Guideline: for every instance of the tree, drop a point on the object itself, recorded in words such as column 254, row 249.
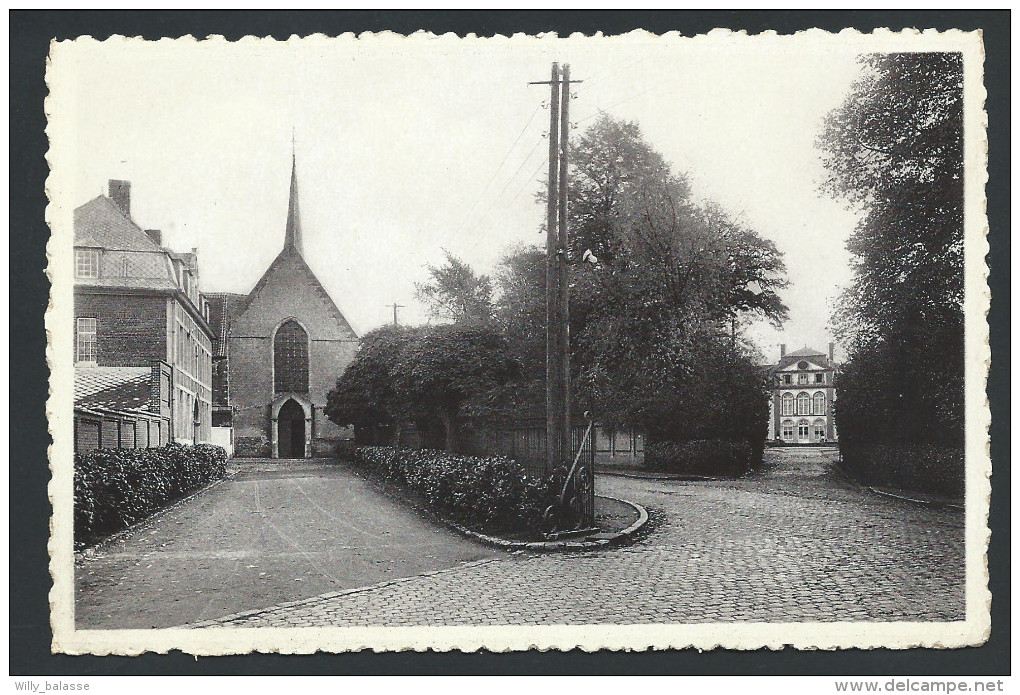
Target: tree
column 675, row 279
column 447, row 367
column 894, row 150
column 416, row 374
column 366, row 394
column 455, row 293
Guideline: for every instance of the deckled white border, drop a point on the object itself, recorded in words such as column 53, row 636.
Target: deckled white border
column 212, row 641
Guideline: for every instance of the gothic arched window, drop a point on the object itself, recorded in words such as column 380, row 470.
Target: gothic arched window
column 290, row 358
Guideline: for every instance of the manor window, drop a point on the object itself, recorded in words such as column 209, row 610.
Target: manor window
column 803, row 404
column 818, row 404
column 290, row 358
column 86, row 263
column 788, row 404
column 85, row 343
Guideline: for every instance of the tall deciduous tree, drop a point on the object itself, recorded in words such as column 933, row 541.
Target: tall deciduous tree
column 454, row 292
column 674, row 278
column 894, row 150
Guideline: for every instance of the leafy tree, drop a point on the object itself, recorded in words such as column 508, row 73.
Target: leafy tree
column 894, row 150
column 674, row 280
column 366, row 393
column 455, row 293
column 403, row 375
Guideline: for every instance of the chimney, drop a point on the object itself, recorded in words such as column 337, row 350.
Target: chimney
column 782, row 350
column 120, row 193
column 155, row 235
column 832, row 353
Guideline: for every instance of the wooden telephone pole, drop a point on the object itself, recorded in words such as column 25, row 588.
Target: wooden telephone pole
column 557, row 355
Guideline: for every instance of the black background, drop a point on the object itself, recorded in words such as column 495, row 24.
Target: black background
column 30, row 34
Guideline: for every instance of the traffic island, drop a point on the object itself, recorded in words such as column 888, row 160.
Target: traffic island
column 617, row 520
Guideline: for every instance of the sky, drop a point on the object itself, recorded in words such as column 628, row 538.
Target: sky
column 406, row 148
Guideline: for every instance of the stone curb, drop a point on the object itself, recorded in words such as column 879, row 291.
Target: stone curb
column 938, row 504
column 666, row 476
column 597, row 540
column 220, row 622
column 144, row 523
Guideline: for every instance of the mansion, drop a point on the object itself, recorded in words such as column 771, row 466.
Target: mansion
column 803, row 393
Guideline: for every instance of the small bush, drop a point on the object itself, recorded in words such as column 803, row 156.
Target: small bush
column 114, row 488
column 700, row 457
column 916, row 467
column 492, row 493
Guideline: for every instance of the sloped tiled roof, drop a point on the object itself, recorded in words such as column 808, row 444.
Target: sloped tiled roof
column 100, row 223
column 115, row 388
column 805, row 352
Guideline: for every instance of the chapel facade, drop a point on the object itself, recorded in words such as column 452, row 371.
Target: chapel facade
column 278, row 351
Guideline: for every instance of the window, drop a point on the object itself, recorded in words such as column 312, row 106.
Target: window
column 787, row 378
column 820, row 378
column 802, row 378
column 86, row 263
column 788, row 404
column 85, row 344
column 788, row 430
column 818, row 404
column 290, row 358
column 802, row 430
column 819, row 431
column 803, row 404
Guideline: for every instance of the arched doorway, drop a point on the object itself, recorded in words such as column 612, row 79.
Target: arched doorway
column 291, row 430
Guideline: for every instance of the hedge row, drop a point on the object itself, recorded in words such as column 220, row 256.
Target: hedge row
column 918, row 467
column 492, row 494
column 700, row 457
column 114, row 488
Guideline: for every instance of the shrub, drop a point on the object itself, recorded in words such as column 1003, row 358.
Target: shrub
column 491, row 493
column 700, row 457
column 114, row 488
column 918, row 467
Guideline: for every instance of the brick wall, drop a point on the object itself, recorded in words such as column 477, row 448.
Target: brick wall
column 130, row 329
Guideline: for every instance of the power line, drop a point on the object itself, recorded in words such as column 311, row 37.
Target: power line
column 601, row 110
column 492, row 177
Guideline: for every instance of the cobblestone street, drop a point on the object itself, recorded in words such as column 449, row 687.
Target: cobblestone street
column 796, row 542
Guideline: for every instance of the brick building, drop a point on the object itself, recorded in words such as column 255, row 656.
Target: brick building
column 137, row 303
column 803, row 391
column 277, row 353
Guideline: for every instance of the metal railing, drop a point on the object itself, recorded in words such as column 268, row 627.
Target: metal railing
column 574, row 508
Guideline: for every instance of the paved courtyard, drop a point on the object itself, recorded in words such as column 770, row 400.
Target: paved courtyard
column 795, row 542
column 274, row 532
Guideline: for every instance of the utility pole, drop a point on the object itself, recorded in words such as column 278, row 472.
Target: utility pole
column 563, row 266
column 557, row 296
column 554, row 400
column 395, row 307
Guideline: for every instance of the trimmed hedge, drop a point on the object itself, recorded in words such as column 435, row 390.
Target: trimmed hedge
column 492, row 493
column 700, row 457
column 917, row 467
column 114, row 488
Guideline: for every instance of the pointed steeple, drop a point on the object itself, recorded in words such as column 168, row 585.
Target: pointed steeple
column 292, row 240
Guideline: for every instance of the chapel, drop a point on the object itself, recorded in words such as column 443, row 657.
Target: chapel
column 278, row 351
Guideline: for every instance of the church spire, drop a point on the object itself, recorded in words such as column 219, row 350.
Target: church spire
column 292, row 240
